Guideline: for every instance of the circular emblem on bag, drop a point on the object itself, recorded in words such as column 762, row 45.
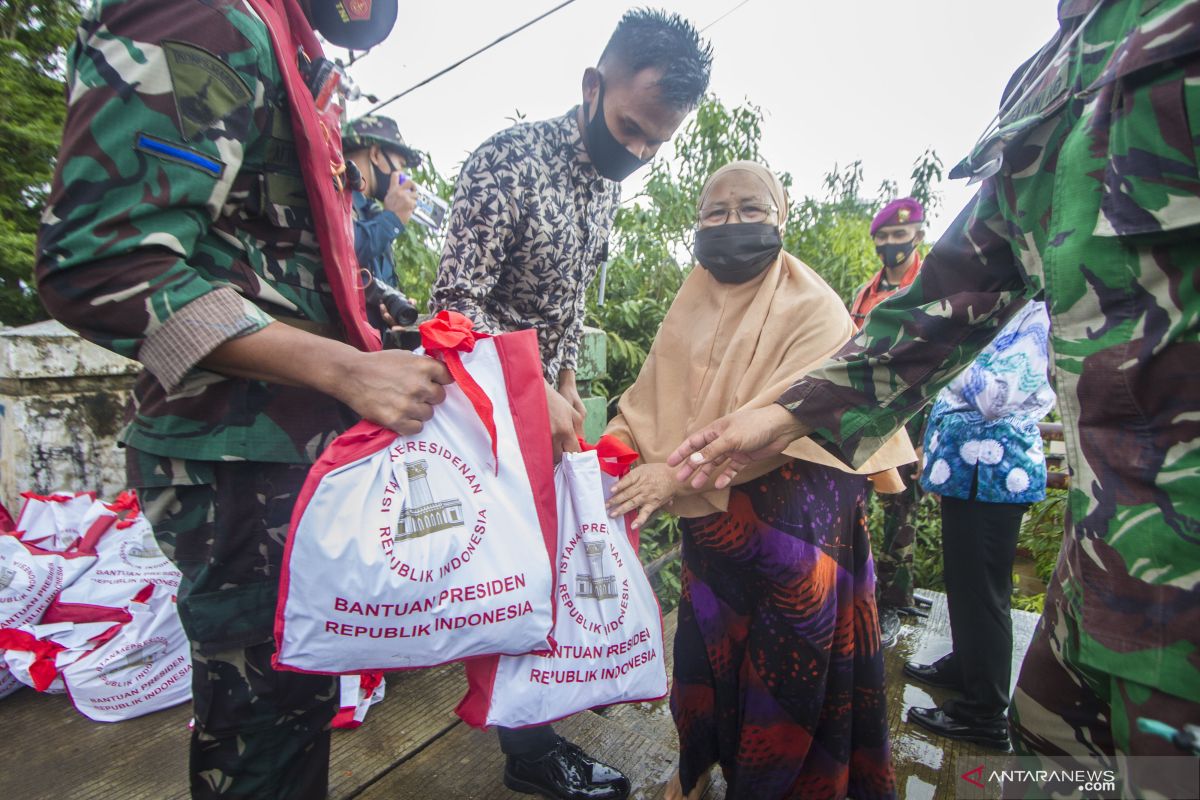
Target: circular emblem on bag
column 592, row 587
column 434, row 490
column 16, row 581
column 131, row 663
column 144, row 553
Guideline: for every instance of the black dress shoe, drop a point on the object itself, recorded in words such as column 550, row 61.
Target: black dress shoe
column 889, row 626
column 942, row 673
column 565, row 773
column 990, row 733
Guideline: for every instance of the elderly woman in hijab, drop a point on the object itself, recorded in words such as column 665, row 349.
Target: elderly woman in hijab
column 778, row 667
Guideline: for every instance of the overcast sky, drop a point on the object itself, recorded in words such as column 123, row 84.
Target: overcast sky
column 839, row 81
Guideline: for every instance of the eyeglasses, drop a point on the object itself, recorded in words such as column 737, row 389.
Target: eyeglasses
column 746, row 212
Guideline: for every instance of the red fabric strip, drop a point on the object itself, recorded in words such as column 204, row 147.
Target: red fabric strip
column 448, row 334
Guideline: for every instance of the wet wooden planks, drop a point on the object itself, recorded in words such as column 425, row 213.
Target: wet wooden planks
column 47, row 749
column 412, row 745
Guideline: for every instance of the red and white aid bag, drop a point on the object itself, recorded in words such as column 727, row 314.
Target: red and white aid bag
column 356, row 695
column 30, row 579
column 608, row 639
column 54, row 521
column 145, row 666
column 127, row 556
column 412, row 551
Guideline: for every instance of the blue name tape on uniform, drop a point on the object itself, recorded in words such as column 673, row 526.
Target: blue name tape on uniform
column 159, row 147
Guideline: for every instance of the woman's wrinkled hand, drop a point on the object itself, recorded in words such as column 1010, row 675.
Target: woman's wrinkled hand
column 647, row 488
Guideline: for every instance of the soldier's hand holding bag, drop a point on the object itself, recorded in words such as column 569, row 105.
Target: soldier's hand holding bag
column 412, row 551
column 608, row 640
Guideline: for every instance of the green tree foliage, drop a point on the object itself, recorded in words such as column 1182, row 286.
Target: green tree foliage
column 33, row 38
column 419, row 250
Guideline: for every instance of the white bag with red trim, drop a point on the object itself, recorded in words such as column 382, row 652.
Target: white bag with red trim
column 53, row 521
column 608, row 639
column 412, row 551
column 357, row 694
column 145, row 666
column 127, row 556
column 36, row 654
column 31, row 577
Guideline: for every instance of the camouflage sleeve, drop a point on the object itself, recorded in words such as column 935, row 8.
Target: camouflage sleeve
column 916, row 341
column 481, row 230
column 161, row 103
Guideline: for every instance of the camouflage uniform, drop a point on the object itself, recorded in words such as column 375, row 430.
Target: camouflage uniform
column 177, row 221
column 894, row 554
column 1095, row 205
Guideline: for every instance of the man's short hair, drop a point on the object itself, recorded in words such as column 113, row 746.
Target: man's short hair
column 649, row 39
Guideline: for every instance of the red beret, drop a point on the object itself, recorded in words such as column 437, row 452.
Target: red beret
column 898, row 212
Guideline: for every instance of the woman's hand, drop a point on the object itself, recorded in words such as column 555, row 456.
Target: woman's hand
column 647, row 487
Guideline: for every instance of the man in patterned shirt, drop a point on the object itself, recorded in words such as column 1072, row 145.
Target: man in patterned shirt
column 180, row 232
column 528, row 231
column 534, row 204
column 1090, row 198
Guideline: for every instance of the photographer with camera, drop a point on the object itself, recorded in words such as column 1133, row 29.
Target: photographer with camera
column 386, row 197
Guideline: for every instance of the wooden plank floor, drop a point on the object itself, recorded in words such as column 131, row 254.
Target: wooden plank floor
column 413, row 747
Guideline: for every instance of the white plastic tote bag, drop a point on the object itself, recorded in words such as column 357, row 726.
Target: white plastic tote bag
column 357, row 694
column 412, row 551
column 35, row 654
column 31, row 578
column 53, row 521
column 127, row 556
column 608, row 640
column 146, row 666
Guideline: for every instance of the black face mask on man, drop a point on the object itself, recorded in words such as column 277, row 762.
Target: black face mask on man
column 610, row 158
column 383, row 180
column 893, row 254
column 737, row 252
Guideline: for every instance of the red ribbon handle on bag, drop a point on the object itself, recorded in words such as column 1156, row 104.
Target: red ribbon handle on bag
column 446, row 335
column 616, row 457
column 42, row 670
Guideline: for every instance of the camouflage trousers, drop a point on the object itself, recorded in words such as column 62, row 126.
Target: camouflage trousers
column 258, row 733
column 894, row 559
column 1063, row 707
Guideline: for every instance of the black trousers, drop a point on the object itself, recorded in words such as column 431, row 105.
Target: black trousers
column 979, row 542
column 528, row 743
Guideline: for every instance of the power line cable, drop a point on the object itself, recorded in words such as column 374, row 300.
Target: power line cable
column 723, row 16
column 465, row 59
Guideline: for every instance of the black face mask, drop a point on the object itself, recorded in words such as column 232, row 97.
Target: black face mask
column 737, row 252
column 609, row 156
column 383, row 180
column 893, row 255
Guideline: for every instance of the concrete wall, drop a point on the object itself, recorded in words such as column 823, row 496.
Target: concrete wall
column 62, row 403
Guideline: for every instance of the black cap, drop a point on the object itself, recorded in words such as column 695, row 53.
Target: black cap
column 354, row 24
column 383, row 131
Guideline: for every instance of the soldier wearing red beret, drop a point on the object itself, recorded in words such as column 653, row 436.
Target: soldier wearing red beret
column 897, row 231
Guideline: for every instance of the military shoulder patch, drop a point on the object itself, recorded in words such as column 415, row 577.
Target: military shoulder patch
column 206, row 89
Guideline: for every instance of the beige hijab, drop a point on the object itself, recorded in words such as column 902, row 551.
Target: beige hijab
column 724, row 347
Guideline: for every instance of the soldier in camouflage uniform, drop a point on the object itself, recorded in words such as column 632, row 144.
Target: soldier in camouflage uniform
column 897, row 231
column 179, row 233
column 1090, row 199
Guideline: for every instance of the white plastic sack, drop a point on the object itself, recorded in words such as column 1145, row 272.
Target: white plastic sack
column 357, row 693
column 53, row 521
column 31, row 578
column 608, row 640
column 413, row 551
column 36, row 654
column 127, row 556
column 145, row 667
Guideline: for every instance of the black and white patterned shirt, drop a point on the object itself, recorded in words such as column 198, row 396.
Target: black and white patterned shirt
column 528, row 231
